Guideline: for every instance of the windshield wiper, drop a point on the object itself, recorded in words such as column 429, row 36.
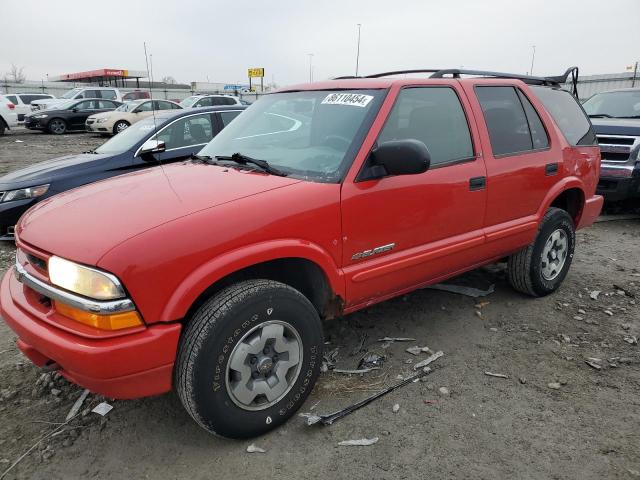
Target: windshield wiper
column 600, row 115
column 630, row 116
column 244, row 160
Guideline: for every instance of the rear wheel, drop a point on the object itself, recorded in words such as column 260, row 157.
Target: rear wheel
column 3, row 126
column 540, row 268
column 249, row 358
column 57, row 126
column 119, row 126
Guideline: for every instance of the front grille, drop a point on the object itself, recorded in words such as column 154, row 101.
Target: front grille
column 37, row 262
column 1, row 195
column 617, row 148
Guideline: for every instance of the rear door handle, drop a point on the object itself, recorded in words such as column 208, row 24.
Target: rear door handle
column 477, row 183
column 551, row 169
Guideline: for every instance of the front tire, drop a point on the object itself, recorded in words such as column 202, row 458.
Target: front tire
column 249, row 358
column 57, row 126
column 119, row 126
column 540, row 268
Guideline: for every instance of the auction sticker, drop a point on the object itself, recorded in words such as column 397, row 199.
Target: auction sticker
column 353, row 99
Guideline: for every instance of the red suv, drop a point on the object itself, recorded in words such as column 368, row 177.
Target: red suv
column 212, row 276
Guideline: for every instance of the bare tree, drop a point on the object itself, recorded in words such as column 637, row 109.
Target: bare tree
column 169, row 80
column 15, row 75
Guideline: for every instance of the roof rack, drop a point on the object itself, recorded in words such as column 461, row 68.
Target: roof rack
column 456, row 73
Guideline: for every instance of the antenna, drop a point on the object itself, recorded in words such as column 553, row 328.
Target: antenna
column 149, row 60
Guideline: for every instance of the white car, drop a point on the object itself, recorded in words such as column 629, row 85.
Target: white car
column 22, row 101
column 8, row 116
column 79, row 93
column 195, row 101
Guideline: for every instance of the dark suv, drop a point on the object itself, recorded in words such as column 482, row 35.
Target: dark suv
column 616, row 120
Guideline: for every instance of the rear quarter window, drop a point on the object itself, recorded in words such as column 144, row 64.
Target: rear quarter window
column 568, row 115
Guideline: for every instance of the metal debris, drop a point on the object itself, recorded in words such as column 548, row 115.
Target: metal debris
column 593, row 295
column 593, row 364
column 418, row 350
column 313, row 419
column 396, row 339
column 253, row 449
column 362, row 442
column 428, row 360
column 329, row 360
column 102, row 409
column 396, row 408
column 498, row 375
column 371, row 360
column 78, row 405
column 631, row 339
column 354, row 372
column 462, row 290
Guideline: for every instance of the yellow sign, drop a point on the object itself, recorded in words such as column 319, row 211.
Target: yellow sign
column 256, row 72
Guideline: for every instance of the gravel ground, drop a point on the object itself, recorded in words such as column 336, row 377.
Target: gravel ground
column 553, row 417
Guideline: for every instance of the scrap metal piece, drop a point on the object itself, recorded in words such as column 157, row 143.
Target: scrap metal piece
column 361, row 442
column 371, row 360
column 396, row 339
column 313, row 419
column 498, row 375
column 462, row 290
column 428, row 360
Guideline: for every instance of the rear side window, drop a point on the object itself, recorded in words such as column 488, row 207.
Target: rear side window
column 12, row 98
column 434, row 116
column 27, row 99
column 110, row 94
column 506, row 121
column 538, row 133
column 568, row 115
column 226, row 117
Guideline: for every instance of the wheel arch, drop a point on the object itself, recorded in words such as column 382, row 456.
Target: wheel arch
column 569, row 196
column 301, row 265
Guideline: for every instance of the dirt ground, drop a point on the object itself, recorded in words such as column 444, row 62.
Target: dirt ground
column 553, row 417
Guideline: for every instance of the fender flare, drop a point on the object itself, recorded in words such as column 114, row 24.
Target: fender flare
column 221, row 266
column 563, row 185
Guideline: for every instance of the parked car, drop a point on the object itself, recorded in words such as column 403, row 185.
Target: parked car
column 135, row 95
column 180, row 134
column 22, row 101
column 616, row 119
column 195, row 101
column 8, row 115
column 113, row 122
column 213, row 276
column 69, row 115
column 106, row 93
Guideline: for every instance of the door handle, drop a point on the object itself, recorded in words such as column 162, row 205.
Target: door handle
column 477, row 183
column 551, row 169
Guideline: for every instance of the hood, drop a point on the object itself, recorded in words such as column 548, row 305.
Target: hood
column 616, row 126
column 48, row 101
column 49, row 170
column 85, row 223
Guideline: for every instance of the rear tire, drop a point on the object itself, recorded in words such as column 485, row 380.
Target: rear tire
column 57, row 126
column 540, row 268
column 249, row 358
column 119, row 126
column 3, row 126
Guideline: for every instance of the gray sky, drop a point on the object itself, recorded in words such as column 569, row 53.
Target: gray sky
column 193, row 39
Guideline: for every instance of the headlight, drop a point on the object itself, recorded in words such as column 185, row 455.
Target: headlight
column 101, row 120
column 24, row 193
column 84, row 280
column 42, row 115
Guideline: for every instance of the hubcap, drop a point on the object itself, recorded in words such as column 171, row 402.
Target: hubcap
column 121, row 126
column 57, row 126
column 554, row 254
column 264, row 365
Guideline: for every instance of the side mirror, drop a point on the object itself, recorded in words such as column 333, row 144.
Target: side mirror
column 152, row 146
column 74, row 110
column 397, row 157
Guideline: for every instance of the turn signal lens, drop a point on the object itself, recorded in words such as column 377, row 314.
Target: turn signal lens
column 116, row 321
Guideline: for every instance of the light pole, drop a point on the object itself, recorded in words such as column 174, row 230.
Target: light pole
column 533, row 57
column 310, row 67
column 358, row 51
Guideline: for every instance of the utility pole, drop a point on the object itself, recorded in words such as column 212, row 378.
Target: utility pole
column 310, row 67
column 358, row 51
column 635, row 72
column 533, row 57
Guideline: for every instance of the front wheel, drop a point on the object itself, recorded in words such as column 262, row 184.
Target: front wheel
column 540, row 268
column 249, row 358
column 57, row 126
column 119, row 126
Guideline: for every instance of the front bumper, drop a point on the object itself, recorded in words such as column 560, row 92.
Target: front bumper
column 129, row 365
column 33, row 123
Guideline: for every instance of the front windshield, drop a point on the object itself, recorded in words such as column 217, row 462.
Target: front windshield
column 127, row 106
column 71, row 93
column 308, row 134
column 187, row 102
column 126, row 139
column 614, row 104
